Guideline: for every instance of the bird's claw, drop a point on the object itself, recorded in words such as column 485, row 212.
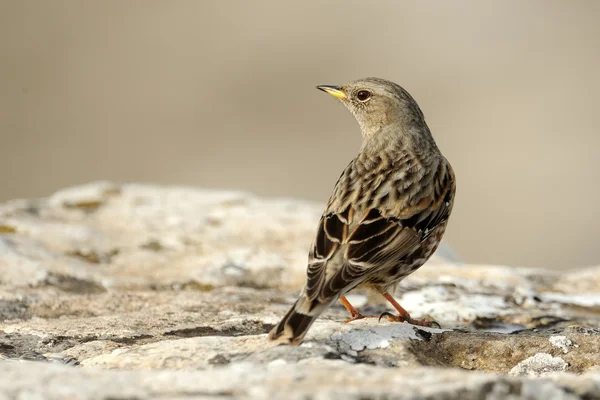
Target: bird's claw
column 426, row 322
column 359, row 316
column 390, row 317
column 354, row 318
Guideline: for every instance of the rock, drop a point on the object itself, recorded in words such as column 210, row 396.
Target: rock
column 562, row 342
column 540, row 364
column 142, row 291
column 281, row 380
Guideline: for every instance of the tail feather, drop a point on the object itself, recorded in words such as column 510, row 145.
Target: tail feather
column 294, row 325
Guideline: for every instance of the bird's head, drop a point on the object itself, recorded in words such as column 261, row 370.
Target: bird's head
column 378, row 105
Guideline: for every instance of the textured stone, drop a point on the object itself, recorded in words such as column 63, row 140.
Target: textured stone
column 166, row 292
column 280, row 380
column 541, row 364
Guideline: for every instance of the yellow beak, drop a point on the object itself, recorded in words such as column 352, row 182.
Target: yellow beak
column 335, row 91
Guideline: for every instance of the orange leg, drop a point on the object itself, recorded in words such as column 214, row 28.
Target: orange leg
column 354, row 314
column 403, row 315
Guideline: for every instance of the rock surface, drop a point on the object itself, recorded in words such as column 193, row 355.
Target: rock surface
column 139, row 291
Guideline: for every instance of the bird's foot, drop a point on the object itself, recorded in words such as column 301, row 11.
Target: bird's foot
column 358, row 316
column 427, row 321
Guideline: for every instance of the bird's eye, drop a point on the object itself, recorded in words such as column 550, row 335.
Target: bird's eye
column 363, row 95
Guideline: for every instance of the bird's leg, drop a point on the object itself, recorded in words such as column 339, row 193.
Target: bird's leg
column 354, row 314
column 403, row 315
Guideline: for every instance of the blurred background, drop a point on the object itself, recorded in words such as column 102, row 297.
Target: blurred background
column 220, row 94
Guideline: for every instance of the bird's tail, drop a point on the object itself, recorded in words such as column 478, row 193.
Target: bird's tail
column 294, row 325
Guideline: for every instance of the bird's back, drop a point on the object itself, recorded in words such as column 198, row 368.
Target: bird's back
column 373, row 194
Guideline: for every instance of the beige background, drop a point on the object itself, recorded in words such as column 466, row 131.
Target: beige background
column 221, row 94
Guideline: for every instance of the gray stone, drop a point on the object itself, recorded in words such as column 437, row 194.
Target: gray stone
column 541, row 364
column 140, row 291
column 326, row 379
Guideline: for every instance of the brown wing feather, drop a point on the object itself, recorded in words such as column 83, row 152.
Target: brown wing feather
column 332, row 232
column 375, row 241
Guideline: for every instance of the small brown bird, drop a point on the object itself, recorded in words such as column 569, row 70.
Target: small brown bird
column 388, row 211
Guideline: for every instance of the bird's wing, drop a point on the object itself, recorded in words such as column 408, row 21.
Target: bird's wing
column 373, row 242
column 331, row 235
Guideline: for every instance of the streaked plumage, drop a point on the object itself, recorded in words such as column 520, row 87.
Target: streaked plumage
column 388, row 211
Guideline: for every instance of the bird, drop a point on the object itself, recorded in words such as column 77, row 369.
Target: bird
column 387, row 214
